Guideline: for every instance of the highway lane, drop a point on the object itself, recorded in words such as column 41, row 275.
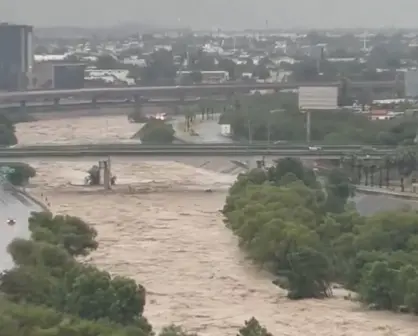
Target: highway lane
column 17, row 206
column 76, row 104
column 178, row 90
column 60, row 154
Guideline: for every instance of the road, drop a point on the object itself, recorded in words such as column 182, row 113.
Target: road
column 158, row 91
column 170, row 153
column 79, row 104
column 13, row 205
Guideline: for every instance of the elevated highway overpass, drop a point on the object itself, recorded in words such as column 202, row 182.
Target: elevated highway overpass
column 137, row 92
column 177, row 152
column 70, row 104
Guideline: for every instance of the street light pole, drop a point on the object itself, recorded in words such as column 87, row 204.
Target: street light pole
column 269, row 124
column 308, row 126
column 269, row 129
column 250, row 133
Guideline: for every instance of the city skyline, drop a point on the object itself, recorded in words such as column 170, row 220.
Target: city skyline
column 216, row 14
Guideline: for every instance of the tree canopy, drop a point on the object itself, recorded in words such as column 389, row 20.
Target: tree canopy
column 7, row 132
column 156, row 131
column 18, row 173
column 306, row 232
column 279, row 115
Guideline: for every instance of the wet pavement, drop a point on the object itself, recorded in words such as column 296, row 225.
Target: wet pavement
column 18, row 207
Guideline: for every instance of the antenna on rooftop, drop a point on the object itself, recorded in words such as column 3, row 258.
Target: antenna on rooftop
column 365, row 40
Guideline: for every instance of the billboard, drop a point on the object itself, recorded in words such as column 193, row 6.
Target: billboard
column 69, row 76
column 411, row 83
column 318, row 98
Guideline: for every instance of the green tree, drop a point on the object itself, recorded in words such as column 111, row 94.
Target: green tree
column 339, row 189
column 173, row 330
column 7, row 136
column 378, row 284
column 160, row 68
column 310, row 274
column 19, row 173
column 253, row 328
column 157, row 131
column 107, row 62
column 73, row 234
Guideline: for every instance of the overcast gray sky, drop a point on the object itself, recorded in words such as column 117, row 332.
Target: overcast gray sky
column 224, row 14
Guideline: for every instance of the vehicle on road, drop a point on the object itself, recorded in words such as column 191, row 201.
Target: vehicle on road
column 314, row 148
column 11, row 221
column 368, row 149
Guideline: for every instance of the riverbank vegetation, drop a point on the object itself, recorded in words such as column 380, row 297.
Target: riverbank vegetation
column 17, row 173
column 50, row 293
column 7, row 132
column 279, row 115
column 156, row 131
column 312, row 237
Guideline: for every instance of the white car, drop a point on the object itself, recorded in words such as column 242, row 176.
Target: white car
column 314, row 148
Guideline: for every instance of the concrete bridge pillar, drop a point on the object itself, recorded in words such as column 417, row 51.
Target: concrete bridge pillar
column 56, row 102
column 23, row 106
column 94, row 101
column 107, row 175
column 137, row 104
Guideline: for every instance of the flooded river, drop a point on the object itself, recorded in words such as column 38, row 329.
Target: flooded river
column 161, row 228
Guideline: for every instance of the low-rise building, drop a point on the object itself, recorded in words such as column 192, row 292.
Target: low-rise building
column 208, row 77
column 57, row 75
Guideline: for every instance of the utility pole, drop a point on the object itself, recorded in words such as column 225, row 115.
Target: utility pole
column 268, row 129
column 271, row 112
column 250, row 133
column 308, row 126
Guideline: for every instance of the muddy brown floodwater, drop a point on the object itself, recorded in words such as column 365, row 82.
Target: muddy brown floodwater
column 76, row 130
column 159, row 227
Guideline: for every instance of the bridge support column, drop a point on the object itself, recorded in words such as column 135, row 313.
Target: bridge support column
column 104, row 167
column 56, row 102
column 137, row 106
column 308, row 126
column 94, row 102
column 107, row 175
column 22, row 106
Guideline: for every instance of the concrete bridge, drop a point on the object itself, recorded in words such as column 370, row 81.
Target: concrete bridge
column 138, row 93
column 181, row 151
